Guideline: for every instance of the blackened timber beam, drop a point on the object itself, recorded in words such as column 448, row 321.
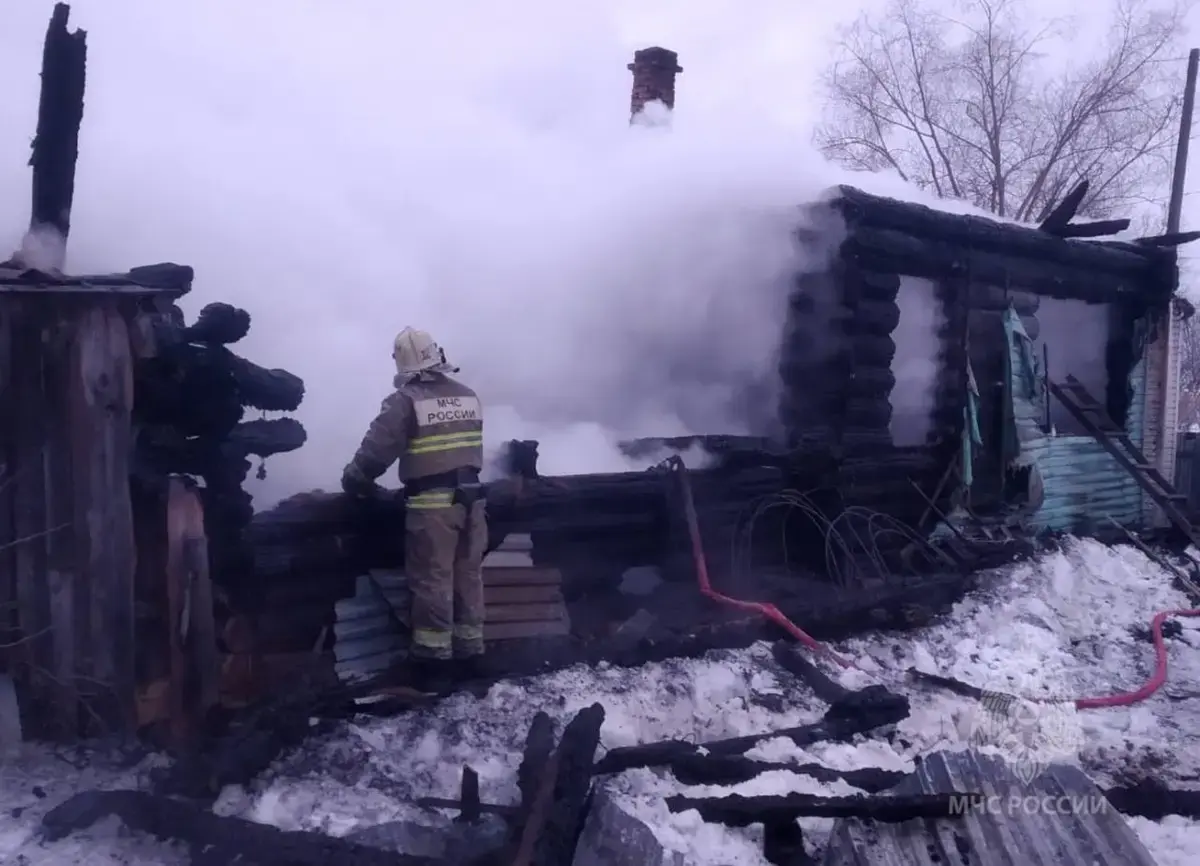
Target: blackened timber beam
column 56, row 144
column 735, row 810
column 1098, row 229
column 842, row 721
column 1174, row 239
column 1061, row 215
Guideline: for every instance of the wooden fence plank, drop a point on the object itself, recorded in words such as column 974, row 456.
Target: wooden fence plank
column 8, row 413
column 29, row 505
column 102, row 389
column 66, row 529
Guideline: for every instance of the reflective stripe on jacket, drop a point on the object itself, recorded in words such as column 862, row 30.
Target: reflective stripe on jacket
column 446, row 428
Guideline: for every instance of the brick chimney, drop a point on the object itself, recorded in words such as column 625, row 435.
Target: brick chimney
column 654, row 70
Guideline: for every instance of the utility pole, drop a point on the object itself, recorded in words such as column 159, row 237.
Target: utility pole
column 1170, row 354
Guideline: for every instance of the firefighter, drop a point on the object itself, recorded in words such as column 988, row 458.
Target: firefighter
column 433, row 425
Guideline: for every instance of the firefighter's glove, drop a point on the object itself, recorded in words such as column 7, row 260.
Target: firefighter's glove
column 358, row 487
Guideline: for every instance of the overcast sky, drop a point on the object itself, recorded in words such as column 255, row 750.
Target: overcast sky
column 344, row 169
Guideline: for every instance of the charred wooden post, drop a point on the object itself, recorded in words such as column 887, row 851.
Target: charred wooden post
column 555, row 791
column 735, row 810
column 194, row 687
column 56, row 145
column 867, row 710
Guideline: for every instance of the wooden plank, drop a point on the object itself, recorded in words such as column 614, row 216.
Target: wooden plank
column 522, row 612
column 520, row 576
column 195, row 667
column 101, row 422
column 66, row 538
column 519, row 630
column 522, row 594
column 29, row 505
column 8, row 413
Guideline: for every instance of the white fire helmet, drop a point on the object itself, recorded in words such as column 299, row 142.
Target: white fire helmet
column 416, row 352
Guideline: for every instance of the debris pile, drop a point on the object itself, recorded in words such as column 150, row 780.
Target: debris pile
column 571, row 810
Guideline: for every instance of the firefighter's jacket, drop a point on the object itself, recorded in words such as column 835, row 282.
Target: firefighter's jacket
column 431, row 425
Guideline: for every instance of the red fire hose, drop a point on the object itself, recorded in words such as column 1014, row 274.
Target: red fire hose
column 767, row 611
column 773, row 614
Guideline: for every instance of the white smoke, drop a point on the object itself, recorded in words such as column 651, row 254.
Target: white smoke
column 342, row 170
column 916, row 362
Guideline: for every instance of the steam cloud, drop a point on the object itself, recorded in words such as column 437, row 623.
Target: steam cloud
column 344, row 170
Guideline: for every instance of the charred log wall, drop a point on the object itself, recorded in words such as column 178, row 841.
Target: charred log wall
column 191, row 396
column 310, row 549
column 814, row 358
column 978, row 268
column 837, row 371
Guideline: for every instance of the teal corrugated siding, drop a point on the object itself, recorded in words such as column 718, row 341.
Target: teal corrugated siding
column 1082, row 481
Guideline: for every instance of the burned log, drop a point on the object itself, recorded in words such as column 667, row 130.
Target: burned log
column 216, row 840
column 189, row 382
column 623, row 516
column 555, row 794
column 1152, row 799
column 191, row 395
column 218, row 324
column 734, row 810
column 871, row 708
column 165, row 450
column 696, row 769
column 787, row 657
column 56, row 144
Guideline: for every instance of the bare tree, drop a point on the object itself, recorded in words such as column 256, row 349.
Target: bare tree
column 967, row 106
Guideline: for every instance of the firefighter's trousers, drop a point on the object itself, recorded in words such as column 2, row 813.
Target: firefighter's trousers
column 444, row 566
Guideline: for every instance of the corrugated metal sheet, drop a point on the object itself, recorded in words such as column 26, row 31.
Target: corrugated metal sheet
column 367, row 636
column 1059, row 819
column 370, row 633
column 1081, row 480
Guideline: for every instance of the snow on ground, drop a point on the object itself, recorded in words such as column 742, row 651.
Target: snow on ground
column 1059, row 626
